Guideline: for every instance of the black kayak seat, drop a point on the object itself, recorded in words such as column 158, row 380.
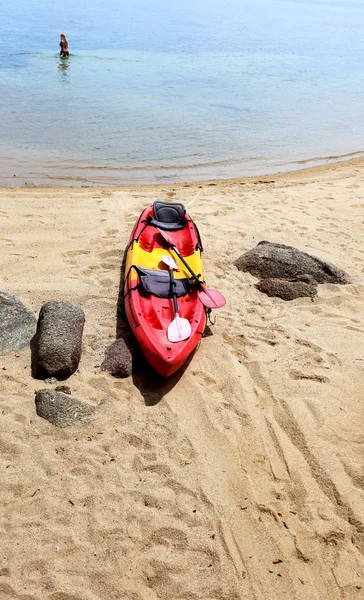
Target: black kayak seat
column 158, row 283
column 169, row 216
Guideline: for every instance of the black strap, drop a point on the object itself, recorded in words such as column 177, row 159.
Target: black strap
column 142, row 230
column 199, row 243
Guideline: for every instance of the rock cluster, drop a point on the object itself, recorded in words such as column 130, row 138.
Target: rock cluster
column 56, row 345
column 286, row 272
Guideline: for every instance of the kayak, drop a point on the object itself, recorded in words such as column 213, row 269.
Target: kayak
column 153, row 294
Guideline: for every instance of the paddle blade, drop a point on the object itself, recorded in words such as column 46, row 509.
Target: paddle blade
column 211, row 298
column 169, row 261
column 179, row 329
column 166, row 237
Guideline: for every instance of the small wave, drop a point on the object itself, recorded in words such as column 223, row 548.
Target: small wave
column 161, row 166
column 330, row 157
column 232, row 108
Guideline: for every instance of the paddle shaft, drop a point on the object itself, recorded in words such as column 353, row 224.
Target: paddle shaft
column 169, row 241
column 197, row 279
column 215, row 298
column 173, row 288
column 187, row 266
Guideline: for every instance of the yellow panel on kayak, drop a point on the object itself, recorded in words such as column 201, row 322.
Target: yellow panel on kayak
column 153, row 260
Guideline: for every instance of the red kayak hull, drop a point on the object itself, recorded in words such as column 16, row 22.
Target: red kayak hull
column 149, row 316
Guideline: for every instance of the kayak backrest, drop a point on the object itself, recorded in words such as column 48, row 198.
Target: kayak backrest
column 169, row 216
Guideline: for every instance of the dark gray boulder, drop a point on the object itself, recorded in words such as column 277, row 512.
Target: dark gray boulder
column 17, row 324
column 120, row 358
column 62, row 410
column 287, row 289
column 57, row 345
column 269, row 260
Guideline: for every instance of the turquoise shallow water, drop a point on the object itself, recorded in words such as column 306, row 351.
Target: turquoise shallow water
column 154, row 92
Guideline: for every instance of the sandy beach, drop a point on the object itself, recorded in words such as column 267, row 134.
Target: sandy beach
column 239, row 478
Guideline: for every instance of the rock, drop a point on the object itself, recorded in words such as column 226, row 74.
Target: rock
column 286, row 289
column 63, row 388
column 18, row 324
column 119, row 358
column 268, row 260
column 58, row 343
column 62, row 410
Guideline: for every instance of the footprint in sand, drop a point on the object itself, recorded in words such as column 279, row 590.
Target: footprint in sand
column 72, row 253
column 203, row 379
column 106, row 282
column 307, row 344
column 295, row 374
column 116, row 253
column 10, row 593
column 159, row 469
column 351, row 328
column 111, row 232
column 170, row 536
column 133, row 439
column 160, row 499
column 237, row 344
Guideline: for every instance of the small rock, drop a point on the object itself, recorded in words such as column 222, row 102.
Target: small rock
column 326, row 365
column 119, row 358
column 286, row 290
column 62, row 410
column 58, row 344
column 63, row 388
column 51, row 380
column 18, row 324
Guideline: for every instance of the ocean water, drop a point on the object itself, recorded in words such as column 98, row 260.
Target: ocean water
column 177, row 91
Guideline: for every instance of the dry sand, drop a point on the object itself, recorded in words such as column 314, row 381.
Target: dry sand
column 240, row 478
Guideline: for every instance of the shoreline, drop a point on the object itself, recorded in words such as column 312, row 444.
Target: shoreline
column 334, row 163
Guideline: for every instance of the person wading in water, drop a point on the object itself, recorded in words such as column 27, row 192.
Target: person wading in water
column 64, row 46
